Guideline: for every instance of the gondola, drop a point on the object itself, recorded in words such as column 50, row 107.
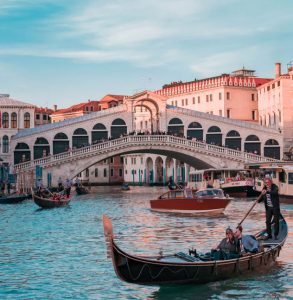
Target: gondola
column 81, row 190
column 50, row 202
column 125, row 187
column 12, row 199
column 182, row 268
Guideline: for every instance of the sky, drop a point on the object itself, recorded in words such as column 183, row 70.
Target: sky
column 68, row 51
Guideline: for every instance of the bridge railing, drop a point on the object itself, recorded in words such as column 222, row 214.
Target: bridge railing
column 147, row 140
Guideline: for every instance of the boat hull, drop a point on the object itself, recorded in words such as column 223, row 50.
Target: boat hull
column 240, row 191
column 49, row 203
column 14, row 199
column 190, row 205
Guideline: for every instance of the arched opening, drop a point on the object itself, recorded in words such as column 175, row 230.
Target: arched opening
column 214, row 136
column 60, row 143
column 13, row 120
column 41, row 148
column 80, row 138
column 195, row 131
column 5, row 142
column 99, row 133
column 233, row 140
column 22, row 153
column 252, row 144
column 176, row 127
column 149, row 171
column 118, row 128
column 5, row 120
column 27, row 120
column 159, row 169
column 272, row 149
column 143, row 119
column 170, row 170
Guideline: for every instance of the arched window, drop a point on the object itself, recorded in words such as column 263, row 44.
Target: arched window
column 272, row 149
column 252, row 144
column 99, row 132
column 41, row 148
column 214, row 136
column 60, row 143
column 176, row 127
column 118, row 128
column 5, row 144
column 260, row 120
column 13, row 120
column 5, row 120
column 233, row 140
column 27, row 120
column 22, row 153
column 80, row 138
column 195, row 131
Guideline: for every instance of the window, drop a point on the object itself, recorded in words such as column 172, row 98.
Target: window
column 120, row 172
column 211, row 112
column 228, row 95
column 268, row 88
column 105, row 172
column 105, row 161
column 290, row 178
column 273, row 85
column 252, row 98
column 126, row 172
column 112, row 172
column 198, row 99
column 87, row 173
column 125, row 160
column 228, row 113
column 220, row 96
column 280, row 116
column 207, row 98
column 27, row 120
column 5, row 120
column 92, row 108
column 278, row 83
column 96, row 172
column 193, row 100
column 37, row 116
column 112, row 160
column 13, row 120
column 121, row 160
column 186, row 101
column 211, row 97
column 176, row 104
column 141, row 160
column 5, row 144
column 220, row 112
column 182, row 102
column 44, row 117
column 146, row 124
column 253, row 115
column 172, row 103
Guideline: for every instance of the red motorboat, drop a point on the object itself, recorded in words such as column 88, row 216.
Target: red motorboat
column 207, row 201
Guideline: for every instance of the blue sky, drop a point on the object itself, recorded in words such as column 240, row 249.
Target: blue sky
column 67, row 51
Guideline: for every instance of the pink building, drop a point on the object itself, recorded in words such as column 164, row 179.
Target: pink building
column 275, row 100
column 228, row 95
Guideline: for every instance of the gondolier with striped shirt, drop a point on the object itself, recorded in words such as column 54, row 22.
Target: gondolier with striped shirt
column 270, row 196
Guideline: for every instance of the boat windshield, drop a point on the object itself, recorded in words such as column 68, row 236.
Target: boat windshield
column 210, row 193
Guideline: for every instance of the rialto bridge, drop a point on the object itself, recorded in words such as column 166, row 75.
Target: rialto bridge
column 201, row 140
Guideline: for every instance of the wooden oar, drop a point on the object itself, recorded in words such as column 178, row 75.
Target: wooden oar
column 251, row 208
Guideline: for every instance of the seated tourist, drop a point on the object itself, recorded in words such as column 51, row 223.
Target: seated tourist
column 227, row 249
column 245, row 243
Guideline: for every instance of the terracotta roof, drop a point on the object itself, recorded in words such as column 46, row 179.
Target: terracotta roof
column 76, row 107
column 5, row 100
column 43, row 110
column 110, row 97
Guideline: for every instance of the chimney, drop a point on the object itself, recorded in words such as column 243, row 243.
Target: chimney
column 278, row 69
column 55, row 107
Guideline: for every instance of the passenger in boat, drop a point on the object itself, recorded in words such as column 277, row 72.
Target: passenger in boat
column 60, row 185
column 245, row 243
column 209, row 185
column 270, row 196
column 227, row 249
column 40, row 187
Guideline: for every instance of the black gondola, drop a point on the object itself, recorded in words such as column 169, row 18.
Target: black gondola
column 50, row 202
column 11, row 199
column 181, row 268
column 81, row 190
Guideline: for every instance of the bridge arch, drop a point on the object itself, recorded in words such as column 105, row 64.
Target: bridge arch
column 118, row 128
column 22, row 153
column 99, row 132
column 233, row 140
column 252, row 144
column 60, row 143
column 80, row 138
column 149, row 170
column 159, row 167
column 41, row 148
column 214, row 136
column 195, row 131
column 176, row 127
column 272, row 149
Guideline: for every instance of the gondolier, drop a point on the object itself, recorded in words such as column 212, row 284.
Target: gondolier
column 270, row 196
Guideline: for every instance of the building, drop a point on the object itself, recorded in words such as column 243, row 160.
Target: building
column 219, row 95
column 15, row 115
column 275, row 105
column 42, row 115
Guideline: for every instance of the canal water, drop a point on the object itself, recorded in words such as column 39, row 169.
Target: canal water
column 61, row 253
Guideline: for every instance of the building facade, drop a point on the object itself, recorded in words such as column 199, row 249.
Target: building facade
column 276, row 106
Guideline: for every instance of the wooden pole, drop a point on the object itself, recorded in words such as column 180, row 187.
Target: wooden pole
column 251, row 208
